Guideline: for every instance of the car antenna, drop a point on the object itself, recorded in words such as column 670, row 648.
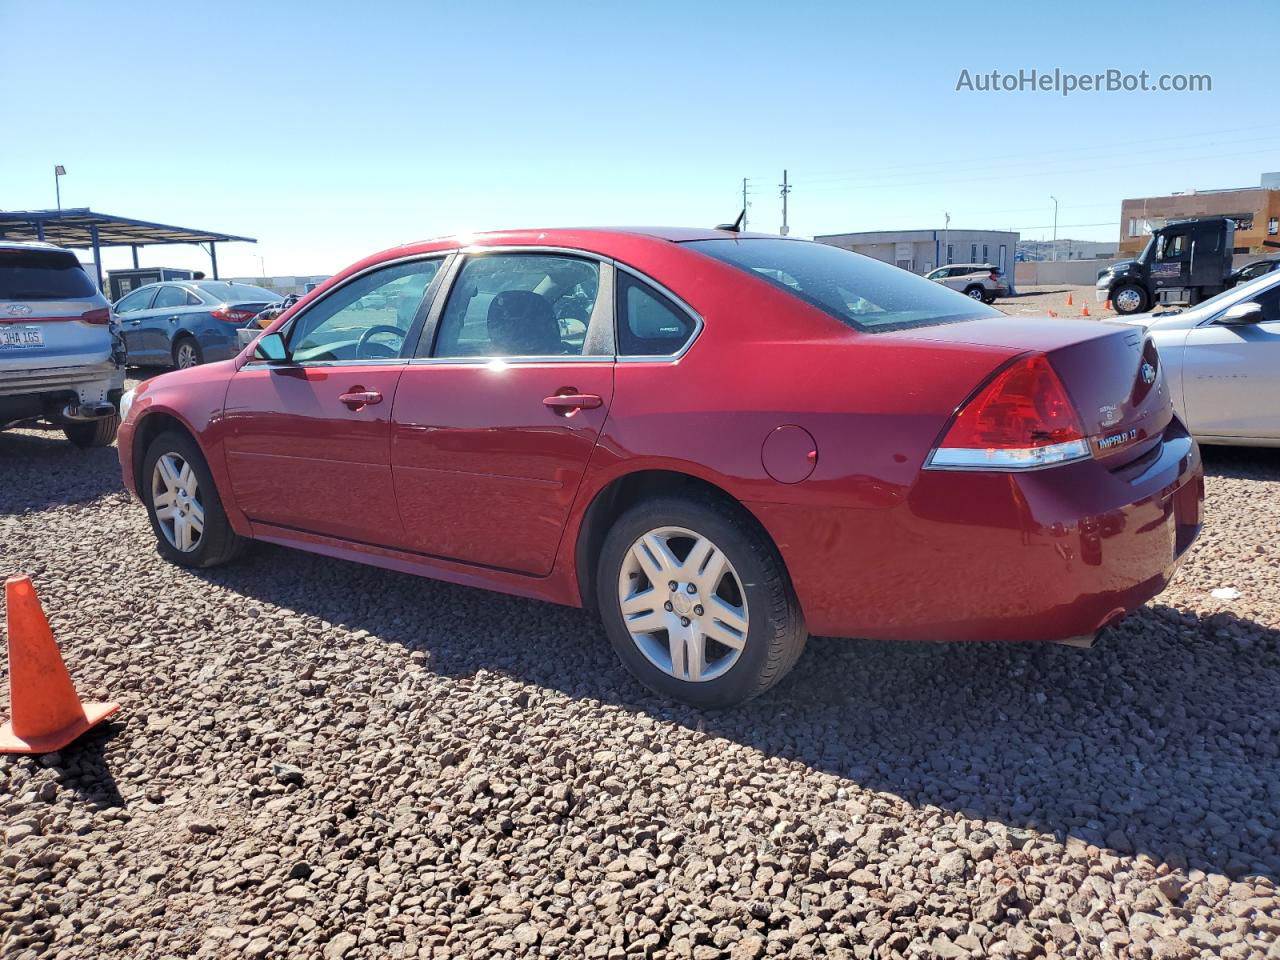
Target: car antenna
column 736, row 226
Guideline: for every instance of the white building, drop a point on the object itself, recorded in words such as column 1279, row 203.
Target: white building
column 921, row 250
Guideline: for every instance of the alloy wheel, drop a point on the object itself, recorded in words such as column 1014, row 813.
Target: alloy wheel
column 683, row 604
column 186, row 355
column 976, row 293
column 175, row 498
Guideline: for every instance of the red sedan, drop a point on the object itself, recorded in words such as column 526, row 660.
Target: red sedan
column 721, row 442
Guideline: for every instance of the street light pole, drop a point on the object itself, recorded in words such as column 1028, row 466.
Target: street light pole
column 1055, row 226
column 946, row 236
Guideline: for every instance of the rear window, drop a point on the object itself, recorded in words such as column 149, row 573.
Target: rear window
column 862, row 293
column 239, row 292
column 42, row 275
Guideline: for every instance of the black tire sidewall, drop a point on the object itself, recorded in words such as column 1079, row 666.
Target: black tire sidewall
column 754, row 559
column 216, row 526
column 95, row 433
column 178, row 341
column 1142, row 299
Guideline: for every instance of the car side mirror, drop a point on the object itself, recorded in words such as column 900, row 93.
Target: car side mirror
column 272, row 349
column 1240, row 314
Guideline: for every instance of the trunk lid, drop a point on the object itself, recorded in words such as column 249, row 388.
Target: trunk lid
column 1111, row 371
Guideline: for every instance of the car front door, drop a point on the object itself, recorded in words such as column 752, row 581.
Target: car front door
column 132, row 311
column 308, row 440
column 496, row 418
column 164, row 320
column 1231, row 375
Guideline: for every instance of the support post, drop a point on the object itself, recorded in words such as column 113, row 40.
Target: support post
column 97, row 254
column 213, row 258
column 135, row 256
column 40, row 230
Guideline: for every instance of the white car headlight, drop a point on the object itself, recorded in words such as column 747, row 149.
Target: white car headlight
column 126, row 403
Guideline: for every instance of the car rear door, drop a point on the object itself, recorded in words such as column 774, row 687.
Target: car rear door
column 308, row 440
column 165, row 319
column 496, row 418
column 1231, row 375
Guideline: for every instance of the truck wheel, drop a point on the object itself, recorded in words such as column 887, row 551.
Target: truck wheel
column 94, row 433
column 1129, row 298
column 696, row 602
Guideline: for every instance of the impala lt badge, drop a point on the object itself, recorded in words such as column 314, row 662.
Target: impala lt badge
column 1117, row 439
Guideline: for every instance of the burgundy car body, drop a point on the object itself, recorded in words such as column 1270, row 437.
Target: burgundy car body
column 822, row 433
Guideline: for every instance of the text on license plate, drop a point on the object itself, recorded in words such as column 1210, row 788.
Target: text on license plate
column 21, row 337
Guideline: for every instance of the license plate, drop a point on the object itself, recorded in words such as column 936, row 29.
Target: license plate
column 21, row 337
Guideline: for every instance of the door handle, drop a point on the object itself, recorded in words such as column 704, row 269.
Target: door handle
column 173, row 319
column 358, row 398
column 568, row 402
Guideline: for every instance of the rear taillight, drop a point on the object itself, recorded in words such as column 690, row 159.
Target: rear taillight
column 232, row 315
column 101, row 315
column 1020, row 420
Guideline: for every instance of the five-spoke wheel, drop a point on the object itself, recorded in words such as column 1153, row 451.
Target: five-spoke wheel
column 186, row 513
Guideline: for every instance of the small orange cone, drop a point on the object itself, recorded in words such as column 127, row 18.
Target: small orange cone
column 1084, row 311
column 1107, row 306
column 45, row 714
column 1069, row 303
column 1053, row 313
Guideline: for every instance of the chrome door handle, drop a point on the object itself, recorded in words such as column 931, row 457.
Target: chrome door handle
column 358, row 398
column 562, row 402
column 173, row 319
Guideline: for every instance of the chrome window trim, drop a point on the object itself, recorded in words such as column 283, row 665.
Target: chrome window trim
column 287, row 329
column 680, row 302
column 606, row 284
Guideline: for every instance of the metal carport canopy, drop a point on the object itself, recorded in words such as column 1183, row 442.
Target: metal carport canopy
column 82, row 227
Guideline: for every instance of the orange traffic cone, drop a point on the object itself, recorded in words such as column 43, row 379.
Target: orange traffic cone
column 1084, row 311
column 45, row 714
column 1069, row 303
column 1107, row 306
column 1053, row 313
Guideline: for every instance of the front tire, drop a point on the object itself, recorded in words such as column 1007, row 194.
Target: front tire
column 186, row 513
column 1128, row 298
column 95, row 433
column 731, row 626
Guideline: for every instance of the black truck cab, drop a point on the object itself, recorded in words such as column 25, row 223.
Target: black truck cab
column 1184, row 262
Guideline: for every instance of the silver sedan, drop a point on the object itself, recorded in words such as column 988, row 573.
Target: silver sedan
column 1221, row 359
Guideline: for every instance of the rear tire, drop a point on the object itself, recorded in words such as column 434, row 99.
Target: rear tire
column 216, row 543
column 94, row 433
column 975, row 292
column 187, row 352
column 753, row 589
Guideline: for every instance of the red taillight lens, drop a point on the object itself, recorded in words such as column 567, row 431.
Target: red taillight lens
column 101, row 315
column 232, row 315
column 1023, row 418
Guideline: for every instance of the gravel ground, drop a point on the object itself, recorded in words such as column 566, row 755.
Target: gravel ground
column 317, row 759
column 1039, row 300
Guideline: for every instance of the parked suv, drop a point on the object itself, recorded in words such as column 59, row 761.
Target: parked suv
column 60, row 358
column 980, row 281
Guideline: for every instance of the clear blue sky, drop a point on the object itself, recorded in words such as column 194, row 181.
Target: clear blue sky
column 330, row 130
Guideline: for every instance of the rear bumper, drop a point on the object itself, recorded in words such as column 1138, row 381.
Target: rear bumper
column 33, row 393
column 1044, row 555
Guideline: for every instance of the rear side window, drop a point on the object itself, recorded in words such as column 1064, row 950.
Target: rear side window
column 42, row 275
column 649, row 324
column 860, row 292
column 238, row 292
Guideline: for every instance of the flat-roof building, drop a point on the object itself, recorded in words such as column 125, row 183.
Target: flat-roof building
column 1256, row 211
column 921, row 250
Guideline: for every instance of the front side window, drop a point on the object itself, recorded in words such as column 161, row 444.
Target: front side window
column 860, row 292
column 519, row 305
column 138, row 300
column 649, row 324
column 170, row 297
column 1175, row 247
column 366, row 319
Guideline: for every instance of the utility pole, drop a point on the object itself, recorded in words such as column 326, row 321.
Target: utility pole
column 744, row 203
column 785, row 190
column 946, row 236
column 1055, row 226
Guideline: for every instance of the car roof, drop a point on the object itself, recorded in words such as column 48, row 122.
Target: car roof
column 33, row 245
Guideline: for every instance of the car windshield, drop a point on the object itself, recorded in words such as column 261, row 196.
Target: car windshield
column 865, row 294
column 42, row 275
column 238, row 292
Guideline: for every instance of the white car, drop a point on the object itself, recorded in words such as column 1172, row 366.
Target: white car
column 1221, row 360
column 61, row 361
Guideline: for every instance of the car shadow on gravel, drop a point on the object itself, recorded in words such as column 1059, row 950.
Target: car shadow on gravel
column 41, row 469
column 1245, row 463
column 1161, row 739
